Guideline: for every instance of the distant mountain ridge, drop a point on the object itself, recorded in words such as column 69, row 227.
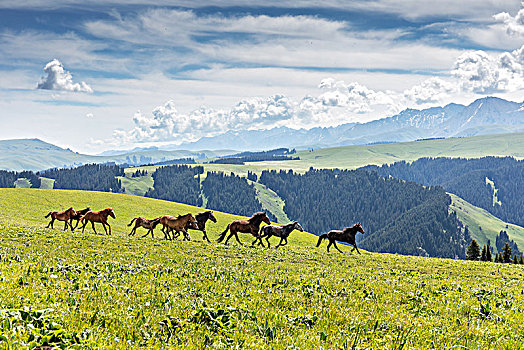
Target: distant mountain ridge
column 489, row 115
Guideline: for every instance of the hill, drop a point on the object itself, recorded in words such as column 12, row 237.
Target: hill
column 61, row 288
column 35, row 154
column 489, row 115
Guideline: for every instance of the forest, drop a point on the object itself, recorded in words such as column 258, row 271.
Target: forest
column 398, row 216
column 177, row 183
column 8, row 178
column 231, row 194
column 90, row 177
column 492, row 183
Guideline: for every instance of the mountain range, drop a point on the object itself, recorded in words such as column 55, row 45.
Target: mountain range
column 489, row 115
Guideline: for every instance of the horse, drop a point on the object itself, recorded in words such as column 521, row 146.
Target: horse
column 77, row 215
column 145, row 223
column 98, row 216
column 61, row 216
column 201, row 219
column 178, row 223
column 347, row 235
column 250, row 225
column 278, row 231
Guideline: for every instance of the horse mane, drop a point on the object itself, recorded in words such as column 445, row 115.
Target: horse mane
column 256, row 215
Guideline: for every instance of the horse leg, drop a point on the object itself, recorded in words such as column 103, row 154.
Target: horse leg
column 104, row 226
column 355, row 247
column 65, row 225
column 133, row 231
column 186, row 235
column 205, row 236
column 267, row 240
column 335, row 244
column 84, row 226
column 52, row 222
column 280, row 243
column 238, row 239
column 329, row 245
column 93, row 224
column 109, row 228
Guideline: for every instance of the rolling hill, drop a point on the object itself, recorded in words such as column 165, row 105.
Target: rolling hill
column 36, row 155
column 59, row 289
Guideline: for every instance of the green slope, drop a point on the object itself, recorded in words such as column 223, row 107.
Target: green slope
column 352, row 157
column 483, row 225
column 29, row 206
column 123, row 292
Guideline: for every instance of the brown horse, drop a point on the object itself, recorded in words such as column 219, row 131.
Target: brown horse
column 98, row 216
column 77, row 215
column 145, row 223
column 250, row 225
column 201, row 219
column 178, row 223
column 347, row 235
column 61, row 216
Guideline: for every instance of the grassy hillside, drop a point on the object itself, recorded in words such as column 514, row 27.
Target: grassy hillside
column 352, row 157
column 169, row 295
column 483, row 225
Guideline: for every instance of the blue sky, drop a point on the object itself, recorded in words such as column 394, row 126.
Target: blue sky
column 107, row 74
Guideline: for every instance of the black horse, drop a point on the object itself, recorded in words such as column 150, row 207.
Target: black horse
column 347, row 235
column 278, row 231
column 76, row 216
column 201, row 219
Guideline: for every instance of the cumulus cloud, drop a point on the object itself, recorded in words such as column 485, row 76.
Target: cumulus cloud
column 89, row 115
column 480, row 72
column 514, row 25
column 59, row 79
column 336, row 103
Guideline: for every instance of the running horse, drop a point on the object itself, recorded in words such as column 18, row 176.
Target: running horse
column 347, row 235
column 201, row 219
column 282, row 232
column 178, row 223
column 250, row 225
column 98, row 216
column 61, row 216
column 145, row 223
column 77, row 216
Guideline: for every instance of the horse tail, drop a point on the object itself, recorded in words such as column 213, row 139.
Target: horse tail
column 223, row 234
column 320, row 238
column 131, row 222
column 48, row 214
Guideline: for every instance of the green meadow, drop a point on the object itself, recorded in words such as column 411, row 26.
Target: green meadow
column 86, row 291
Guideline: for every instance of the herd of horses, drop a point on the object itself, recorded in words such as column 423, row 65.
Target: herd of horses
column 172, row 226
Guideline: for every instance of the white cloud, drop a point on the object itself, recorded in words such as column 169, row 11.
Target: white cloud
column 89, row 115
column 514, row 25
column 480, row 72
column 59, row 79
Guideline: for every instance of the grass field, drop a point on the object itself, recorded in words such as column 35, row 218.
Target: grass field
column 91, row 291
column 483, row 225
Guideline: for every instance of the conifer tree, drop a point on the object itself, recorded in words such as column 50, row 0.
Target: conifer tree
column 488, row 253
column 521, row 260
column 506, row 253
column 484, row 253
column 473, row 251
column 515, row 259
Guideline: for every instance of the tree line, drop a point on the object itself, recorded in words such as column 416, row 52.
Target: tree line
column 8, row 178
column 89, row 177
column 178, row 183
column 491, row 183
column 398, row 216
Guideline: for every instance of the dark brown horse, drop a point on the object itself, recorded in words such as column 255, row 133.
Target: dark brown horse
column 201, row 219
column 250, row 225
column 178, row 224
column 98, row 216
column 282, row 232
column 61, row 216
column 347, row 235
column 77, row 215
column 145, row 223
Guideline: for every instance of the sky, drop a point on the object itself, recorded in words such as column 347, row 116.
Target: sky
column 100, row 75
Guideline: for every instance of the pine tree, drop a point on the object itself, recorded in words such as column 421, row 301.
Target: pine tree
column 515, row 259
column 488, row 253
column 484, row 253
column 473, row 251
column 506, row 253
column 521, row 260
column 497, row 258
